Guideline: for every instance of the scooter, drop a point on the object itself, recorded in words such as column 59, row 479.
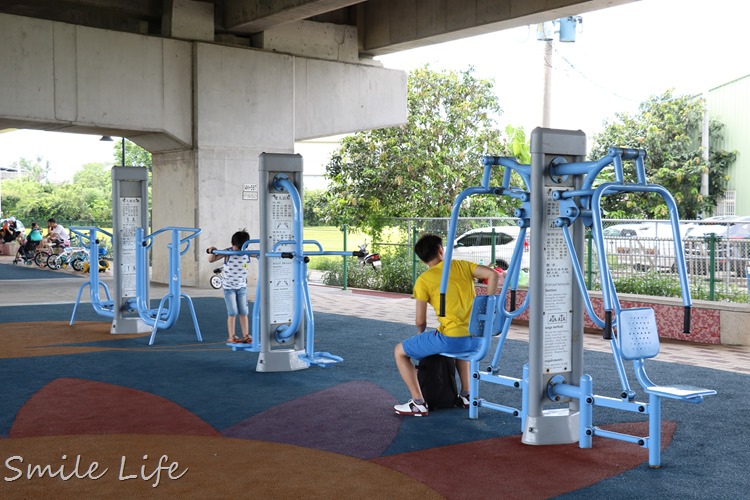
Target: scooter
column 365, row 259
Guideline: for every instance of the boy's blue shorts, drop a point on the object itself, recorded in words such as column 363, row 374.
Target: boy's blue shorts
column 236, row 301
column 432, row 342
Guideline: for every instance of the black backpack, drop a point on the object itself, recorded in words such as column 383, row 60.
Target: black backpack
column 437, row 379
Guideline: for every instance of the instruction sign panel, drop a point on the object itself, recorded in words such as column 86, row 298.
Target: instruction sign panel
column 558, row 299
column 281, row 272
column 130, row 219
column 249, row 191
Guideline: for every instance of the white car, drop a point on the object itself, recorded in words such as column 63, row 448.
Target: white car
column 476, row 246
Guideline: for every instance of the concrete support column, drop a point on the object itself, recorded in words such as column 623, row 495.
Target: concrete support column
column 242, row 106
column 204, row 188
column 246, row 102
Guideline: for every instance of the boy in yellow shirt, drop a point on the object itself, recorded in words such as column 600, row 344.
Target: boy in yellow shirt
column 453, row 333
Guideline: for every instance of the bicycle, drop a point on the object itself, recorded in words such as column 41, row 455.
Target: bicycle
column 217, row 280
column 43, row 253
column 74, row 256
column 102, row 263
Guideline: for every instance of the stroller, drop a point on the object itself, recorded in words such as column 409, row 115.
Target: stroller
column 27, row 250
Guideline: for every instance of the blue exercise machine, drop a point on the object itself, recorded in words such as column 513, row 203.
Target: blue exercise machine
column 104, row 307
column 166, row 314
column 301, row 257
column 563, row 198
column 283, row 324
column 286, row 320
column 492, row 311
column 632, row 332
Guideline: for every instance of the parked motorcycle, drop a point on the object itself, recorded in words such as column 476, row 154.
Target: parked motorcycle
column 368, row 259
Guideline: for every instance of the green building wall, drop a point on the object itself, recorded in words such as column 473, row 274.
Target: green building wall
column 730, row 104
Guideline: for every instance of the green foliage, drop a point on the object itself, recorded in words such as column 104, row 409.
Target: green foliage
column 651, row 283
column 395, row 275
column 397, row 272
column 357, row 276
column 37, row 169
column 314, row 207
column 135, row 156
column 87, row 198
column 31, row 197
column 665, row 285
column 669, row 128
column 419, row 169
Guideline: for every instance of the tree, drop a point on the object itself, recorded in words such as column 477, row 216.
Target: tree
column 37, row 170
column 87, row 198
column 418, row 169
column 135, row 156
column 315, row 207
column 669, row 128
column 93, row 185
column 94, row 176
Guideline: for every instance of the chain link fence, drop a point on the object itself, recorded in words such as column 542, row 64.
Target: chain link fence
column 640, row 254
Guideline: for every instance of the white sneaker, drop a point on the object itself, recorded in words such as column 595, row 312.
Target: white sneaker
column 413, row 409
column 464, row 401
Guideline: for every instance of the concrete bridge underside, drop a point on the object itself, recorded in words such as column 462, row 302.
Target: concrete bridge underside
column 208, row 86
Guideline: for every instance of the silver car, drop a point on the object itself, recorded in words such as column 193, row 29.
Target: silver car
column 643, row 246
column 477, row 246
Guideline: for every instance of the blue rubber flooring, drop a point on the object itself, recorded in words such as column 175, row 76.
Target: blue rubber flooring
column 707, row 458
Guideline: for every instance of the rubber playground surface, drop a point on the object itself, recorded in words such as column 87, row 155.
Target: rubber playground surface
column 110, row 416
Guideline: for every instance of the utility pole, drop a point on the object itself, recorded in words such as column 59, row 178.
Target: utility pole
column 547, row 99
column 545, row 32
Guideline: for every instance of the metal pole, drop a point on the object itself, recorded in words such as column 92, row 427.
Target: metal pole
column 123, row 151
column 589, row 261
column 492, row 255
column 413, row 257
column 705, row 149
column 346, row 272
column 547, row 99
column 712, row 266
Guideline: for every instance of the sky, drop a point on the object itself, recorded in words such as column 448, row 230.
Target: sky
column 622, row 55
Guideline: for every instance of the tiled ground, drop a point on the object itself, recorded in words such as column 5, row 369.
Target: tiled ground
column 400, row 308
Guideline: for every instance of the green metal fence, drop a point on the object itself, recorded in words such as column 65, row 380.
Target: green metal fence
column 640, row 254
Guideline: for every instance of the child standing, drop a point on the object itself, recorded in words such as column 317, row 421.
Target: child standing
column 235, row 286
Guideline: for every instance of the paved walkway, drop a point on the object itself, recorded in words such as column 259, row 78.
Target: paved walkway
column 371, row 305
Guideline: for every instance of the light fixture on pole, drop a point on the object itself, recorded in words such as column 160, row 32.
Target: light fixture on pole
column 107, row 138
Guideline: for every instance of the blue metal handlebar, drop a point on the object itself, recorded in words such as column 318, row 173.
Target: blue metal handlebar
column 511, row 165
column 78, row 230
column 243, row 251
column 148, row 240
